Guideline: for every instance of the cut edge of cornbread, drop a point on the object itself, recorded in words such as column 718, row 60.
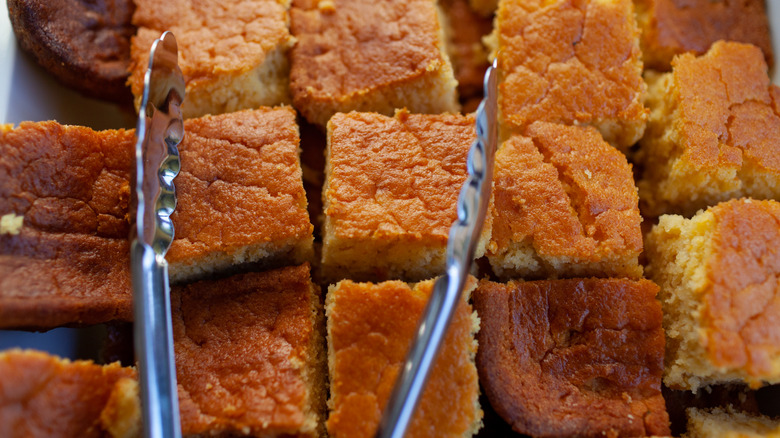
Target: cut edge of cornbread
column 122, row 414
column 265, row 85
column 406, row 257
column 315, row 375
column 414, row 288
column 520, row 260
column 729, row 423
column 679, row 251
column 268, row 254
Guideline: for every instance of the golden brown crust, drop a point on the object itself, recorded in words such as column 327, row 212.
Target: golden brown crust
column 69, row 263
column 739, row 316
column 733, row 79
column 370, row 328
column 419, row 171
column 573, row 357
column 242, row 349
column 240, row 185
column 392, row 185
column 565, row 194
column 357, row 55
column 571, row 63
column 720, row 115
column 671, row 28
column 42, row 395
column 83, row 44
column 236, row 38
column 239, row 190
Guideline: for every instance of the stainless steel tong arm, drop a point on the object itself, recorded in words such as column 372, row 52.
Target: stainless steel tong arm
column 159, row 131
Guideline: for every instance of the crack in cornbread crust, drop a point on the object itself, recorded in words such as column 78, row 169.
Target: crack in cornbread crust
column 390, row 194
column 720, row 280
column 729, row 423
column 248, row 353
column 565, row 205
column 572, row 64
column 579, row 357
column 241, row 198
column 370, row 328
column 232, row 53
column 712, row 133
column 42, row 395
column 671, row 27
column 353, row 55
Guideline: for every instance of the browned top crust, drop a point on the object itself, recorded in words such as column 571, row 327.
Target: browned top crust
column 671, row 27
column 240, row 184
column 396, row 176
column 242, row 344
column 238, row 36
column 566, row 192
column 350, row 47
column 729, row 114
column 569, row 62
column 370, row 329
column 69, row 264
column 573, row 357
column 739, row 315
column 42, row 395
column 85, row 44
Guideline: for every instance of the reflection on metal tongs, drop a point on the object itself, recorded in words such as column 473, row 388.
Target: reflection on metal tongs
column 447, row 291
column 159, row 131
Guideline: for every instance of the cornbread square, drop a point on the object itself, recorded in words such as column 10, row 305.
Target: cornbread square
column 571, row 63
column 232, row 53
column 370, row 329
column 250, row 355
column 240, row 194
column 565, row 206
column 579, row 357
column 671, row 27
column 64, row 253
column 64, row 195
column 727, row 423
column 718, row 273
column 713, row 132
column 369, row 56
column 45, row 396
column 390, row 194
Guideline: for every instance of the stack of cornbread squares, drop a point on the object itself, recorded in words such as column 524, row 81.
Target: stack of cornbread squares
column 632, row 244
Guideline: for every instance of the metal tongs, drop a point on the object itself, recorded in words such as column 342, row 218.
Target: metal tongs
column 159, row 132
column 448, row 289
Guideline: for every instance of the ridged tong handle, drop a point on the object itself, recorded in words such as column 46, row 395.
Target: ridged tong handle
column 159, row 131
column 447, row 291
